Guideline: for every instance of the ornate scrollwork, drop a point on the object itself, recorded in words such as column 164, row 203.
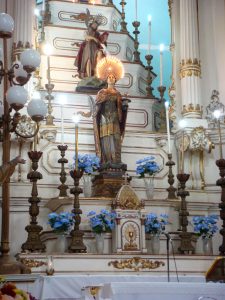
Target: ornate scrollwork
column 26, row 128
column 200, row 141
column 31, row 263
column 136, row 264
column 190, row 67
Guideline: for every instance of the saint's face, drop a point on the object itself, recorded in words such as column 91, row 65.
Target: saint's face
column 94, row 26
column 111, row 79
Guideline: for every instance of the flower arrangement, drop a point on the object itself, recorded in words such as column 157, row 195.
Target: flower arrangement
column 88, row 163
column 205, row 226
column 102, row 222
column 8, row 291
column 147, row 165
column 154, row 224
column 61, row 223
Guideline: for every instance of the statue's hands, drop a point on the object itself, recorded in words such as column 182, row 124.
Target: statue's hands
column 20, row 160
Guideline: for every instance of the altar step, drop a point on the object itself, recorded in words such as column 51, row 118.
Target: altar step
column 184, row 265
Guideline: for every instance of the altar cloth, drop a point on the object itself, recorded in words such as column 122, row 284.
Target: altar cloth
column 69, row 287
column 164, row 291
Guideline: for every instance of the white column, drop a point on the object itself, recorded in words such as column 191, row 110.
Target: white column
column 190, row 69
column 174, row 89
column 24, row 22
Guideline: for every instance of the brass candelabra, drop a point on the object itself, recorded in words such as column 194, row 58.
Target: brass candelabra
column 149, row 68
column 123, row 23
column 136, row 53
column 62, row 187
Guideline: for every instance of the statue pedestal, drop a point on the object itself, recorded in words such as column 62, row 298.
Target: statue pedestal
column 107, row 183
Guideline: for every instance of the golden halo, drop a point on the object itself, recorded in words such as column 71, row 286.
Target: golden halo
column 110, row 65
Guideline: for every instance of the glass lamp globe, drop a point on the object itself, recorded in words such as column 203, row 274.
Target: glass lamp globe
column 30, row 59
column 6, row 25
column 37, row 109
column 17, row 96
column 20, row 74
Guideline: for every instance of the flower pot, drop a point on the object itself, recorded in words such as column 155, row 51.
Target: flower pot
column 99, row 243
column 155, row 244
column 87, row 187
column 61, row 243
column 207, row 246
column 149, row 186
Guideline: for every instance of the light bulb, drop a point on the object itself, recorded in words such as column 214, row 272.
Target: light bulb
column 149, row 18
column 167, row 104
column 161, row 47
column 47, row 49
column 30, row 59
column 6, row 25
column 37, row 109
column 17, row 96
column 76, row 118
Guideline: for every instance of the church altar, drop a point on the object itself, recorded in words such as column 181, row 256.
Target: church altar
column 116, row 287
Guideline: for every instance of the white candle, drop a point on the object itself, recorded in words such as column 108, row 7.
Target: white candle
column 149, row 33
column 136, row 17
column 62, row 125
column 161, row 64
column 43, row 5
column 168, row 126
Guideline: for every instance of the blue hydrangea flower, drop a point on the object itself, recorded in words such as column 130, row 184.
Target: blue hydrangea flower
column 62, row 222
column 102, row 222
column 205, row 226
column 154, row 224
column 88, row 163
column 147, row 165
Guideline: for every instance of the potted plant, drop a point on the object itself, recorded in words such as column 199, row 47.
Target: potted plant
column 89, row 164
column 155, row 225
column 61, row 224
column 205, row 227
column 147, row 168
column 100, row 223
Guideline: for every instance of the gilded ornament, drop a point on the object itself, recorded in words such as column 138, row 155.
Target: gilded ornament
column 190, row 108
column 200, row 141
column 127, row 199
column 31, row 263
column 136, row 264
column 190, row 67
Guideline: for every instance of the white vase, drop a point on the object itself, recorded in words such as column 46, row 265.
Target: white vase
column 149, row 186
column 155, row 243
column 87, row 187
column 207, row 246
column 99, row 243
column 61, row 243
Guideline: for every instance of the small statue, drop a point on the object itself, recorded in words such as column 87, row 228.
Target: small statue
column 110, row 114
column 92, row 49
column 7, row 169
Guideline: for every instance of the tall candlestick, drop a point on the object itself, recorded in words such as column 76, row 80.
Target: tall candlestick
column 168, row 126
column 136, row 16
column 62, row 125
column 76, row 146
column 43, row 5
column 161, row 64
column 149, row 33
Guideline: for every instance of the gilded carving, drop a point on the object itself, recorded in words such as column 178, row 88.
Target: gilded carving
column 190, row 108
column 31, row 263
column 136, row 264
column 200, row 141
column 190, row 67
column 127, row 199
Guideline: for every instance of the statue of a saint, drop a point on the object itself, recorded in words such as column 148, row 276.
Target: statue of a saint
column 110, row 114
column 7, row 169
column 92, row 49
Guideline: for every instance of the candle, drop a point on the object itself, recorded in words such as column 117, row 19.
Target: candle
column 161, row 64
column 168, row 126
column 182, row 153
column 136, row 10
column 62, row 125
column 48, row 69
column 149, row 33
column 43, row 5
column 220, row 140
column 76, row 146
